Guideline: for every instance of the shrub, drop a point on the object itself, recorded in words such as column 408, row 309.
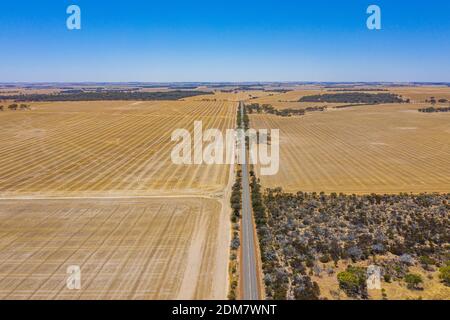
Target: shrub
column 305, row 289
column 235, row 243
column 444, row 274
column 352, row 281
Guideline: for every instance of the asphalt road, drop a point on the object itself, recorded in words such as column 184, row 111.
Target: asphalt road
column 249, row 268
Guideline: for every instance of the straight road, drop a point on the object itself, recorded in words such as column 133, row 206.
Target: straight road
column 249, row 268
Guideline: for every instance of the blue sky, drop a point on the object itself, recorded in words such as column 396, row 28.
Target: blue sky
column 233, row 40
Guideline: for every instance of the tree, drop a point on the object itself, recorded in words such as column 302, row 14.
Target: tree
column 325, row 258
column 413, row 281
column 232, row 295
column 406, row 259
column 235, row 243
column 444, row 274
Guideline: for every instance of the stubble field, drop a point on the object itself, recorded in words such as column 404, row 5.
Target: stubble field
column 382, row 149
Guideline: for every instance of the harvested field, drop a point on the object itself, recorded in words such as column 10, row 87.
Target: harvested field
column 284, row 100
column 106, row 148
column 92, row 184
column 365, row 149
column 420, row 94
column 15, row 91
column 154, row 248
column 328, row 233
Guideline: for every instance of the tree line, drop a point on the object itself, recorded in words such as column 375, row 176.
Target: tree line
column 236, row 207
column 359, row 90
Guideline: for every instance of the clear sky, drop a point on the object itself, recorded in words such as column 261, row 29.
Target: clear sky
column 232, row 40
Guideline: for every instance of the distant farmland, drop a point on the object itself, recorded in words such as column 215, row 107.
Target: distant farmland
column 79, row 95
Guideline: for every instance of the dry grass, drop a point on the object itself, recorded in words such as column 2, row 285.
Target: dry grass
column 16, row 91
column 380, row 149
column 156, row 248
column 231, row 96
column 106, row 148
column 290, row 99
